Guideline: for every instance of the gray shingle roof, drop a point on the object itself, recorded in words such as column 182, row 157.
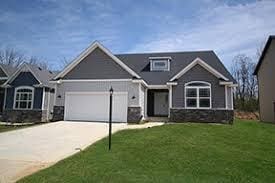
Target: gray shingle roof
column 43, row 75
column 9, row 70
column 141, row 65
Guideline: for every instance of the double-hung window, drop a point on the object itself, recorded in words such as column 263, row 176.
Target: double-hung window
column 23, row 98
column 198, row 95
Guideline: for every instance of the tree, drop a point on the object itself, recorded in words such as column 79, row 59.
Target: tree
column 11, row 57
column 246, row 93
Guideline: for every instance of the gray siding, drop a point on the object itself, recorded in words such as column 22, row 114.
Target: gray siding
column 24, row 79
column 266, row 85
column 198, row 73
column 98, row 65
column 103, row 86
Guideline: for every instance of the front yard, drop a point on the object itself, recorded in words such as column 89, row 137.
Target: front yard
column 244, row 152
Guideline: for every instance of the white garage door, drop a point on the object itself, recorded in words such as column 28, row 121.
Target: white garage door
column 92, row 106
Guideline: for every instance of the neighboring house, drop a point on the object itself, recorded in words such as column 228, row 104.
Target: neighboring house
column 266, row 77
column 184, row 86
column 28, row 95
column 5, row 72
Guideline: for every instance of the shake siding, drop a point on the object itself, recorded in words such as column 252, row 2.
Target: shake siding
column 118, row 86
column 198, row 73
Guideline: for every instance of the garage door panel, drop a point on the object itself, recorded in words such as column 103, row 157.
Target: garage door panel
column 95, row 107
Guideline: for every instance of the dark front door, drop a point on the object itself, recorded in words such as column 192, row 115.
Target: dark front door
column 157, row 103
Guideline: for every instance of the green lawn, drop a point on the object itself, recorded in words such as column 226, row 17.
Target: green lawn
column 243, row 152
column 4, row 128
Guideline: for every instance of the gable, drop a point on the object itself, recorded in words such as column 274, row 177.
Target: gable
column 97, row 65
column 24, row 78
column 268, row 61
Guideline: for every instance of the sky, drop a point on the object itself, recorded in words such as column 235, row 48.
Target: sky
column 56, row 29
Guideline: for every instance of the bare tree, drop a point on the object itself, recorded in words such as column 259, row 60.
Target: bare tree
column 11, row 57
column 246, row 93
column 39, row 62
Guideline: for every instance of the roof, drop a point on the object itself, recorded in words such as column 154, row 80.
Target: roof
column 43, row 75
column 9, row 70
column 269, row 40
column 139, row 62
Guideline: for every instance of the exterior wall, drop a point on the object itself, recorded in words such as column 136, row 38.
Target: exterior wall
column 98, row 65
column 266, row 85
column 24, row 79
column 198, row 73
column 99, row 86
column 22, row 115
column 201, row 115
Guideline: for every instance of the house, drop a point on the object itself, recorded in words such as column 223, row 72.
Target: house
column 28, row 95
column 5, row 72
column 265, row 75
column 182, row 86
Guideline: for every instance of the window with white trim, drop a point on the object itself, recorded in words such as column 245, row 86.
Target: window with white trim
column 160, row 65
column 198, row 95
column 23, row 98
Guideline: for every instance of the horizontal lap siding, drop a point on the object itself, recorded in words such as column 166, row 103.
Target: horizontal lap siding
column 118, row 86
column 198, row 73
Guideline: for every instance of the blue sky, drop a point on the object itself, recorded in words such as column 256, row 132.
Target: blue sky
column 56, row 29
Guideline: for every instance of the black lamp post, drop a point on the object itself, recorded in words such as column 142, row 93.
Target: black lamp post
column 110, row 117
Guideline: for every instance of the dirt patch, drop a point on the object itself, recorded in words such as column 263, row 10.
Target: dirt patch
column 247, row 115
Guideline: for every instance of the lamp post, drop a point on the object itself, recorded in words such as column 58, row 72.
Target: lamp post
column 110, row 117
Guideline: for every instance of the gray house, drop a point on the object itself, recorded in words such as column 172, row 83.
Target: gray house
column 28, row 95
column 266, row 77
column 182, row 86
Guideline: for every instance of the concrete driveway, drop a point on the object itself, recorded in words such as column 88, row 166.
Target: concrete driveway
column 25, row 151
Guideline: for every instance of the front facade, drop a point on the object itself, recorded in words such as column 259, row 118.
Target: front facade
column 182, row 86
column 265, row 75
column 28, row 97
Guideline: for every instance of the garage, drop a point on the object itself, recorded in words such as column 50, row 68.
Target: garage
column 94, row 106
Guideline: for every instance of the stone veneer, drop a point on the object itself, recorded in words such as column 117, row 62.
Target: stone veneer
column 134, row 114
column 10, row 115
column 202, row 115
column 58, row 113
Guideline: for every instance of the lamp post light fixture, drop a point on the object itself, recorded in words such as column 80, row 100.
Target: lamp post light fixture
column 110, row 117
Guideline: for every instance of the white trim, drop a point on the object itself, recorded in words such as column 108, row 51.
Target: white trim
column 197, row 97
column 232, row 99
column 226, row 103
column 139, row 93
column 153, row 67
column 89, row 80
column 4, row 71
column 48, row 105
column 14, row 97
column 201, row 63
column 160, row 58
column 145, row 102
column 158, row 87
column 3, row 78
column 86, row 52
column 230, row 84
column 18, row 71
column 170, row 99
column 55, row 92
column 43, row 98
column 88, row 93
column 133, row 106
column 171, row 83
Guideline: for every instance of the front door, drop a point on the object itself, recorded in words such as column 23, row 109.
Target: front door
column 161, row 104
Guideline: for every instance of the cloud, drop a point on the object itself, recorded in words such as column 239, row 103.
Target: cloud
column 227, row 29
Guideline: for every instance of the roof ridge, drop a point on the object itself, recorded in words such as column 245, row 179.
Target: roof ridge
column 170, row 52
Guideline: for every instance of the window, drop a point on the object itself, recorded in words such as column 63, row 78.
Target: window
column 160, row 64
column 198, row 95
column 23, row 98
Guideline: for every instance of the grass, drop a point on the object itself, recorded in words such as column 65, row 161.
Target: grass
column 4, row 128
column 243, row 152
